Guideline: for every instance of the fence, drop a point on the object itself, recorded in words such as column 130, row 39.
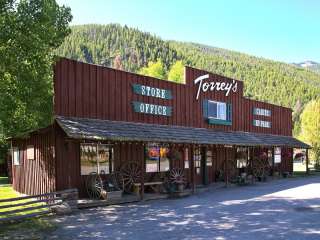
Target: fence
column 31, row 206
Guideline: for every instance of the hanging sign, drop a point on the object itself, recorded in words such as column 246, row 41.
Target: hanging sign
column 205, row 86
column 153, row 109
column 151, row 91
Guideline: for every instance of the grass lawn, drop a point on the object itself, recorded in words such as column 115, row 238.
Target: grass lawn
column 32, row 228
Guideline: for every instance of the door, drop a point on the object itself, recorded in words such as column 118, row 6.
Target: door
column 200, row 168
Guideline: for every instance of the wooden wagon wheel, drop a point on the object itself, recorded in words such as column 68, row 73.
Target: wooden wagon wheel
column 130, row 173
column 259, row 167
column 176, row 176
column 94, row 185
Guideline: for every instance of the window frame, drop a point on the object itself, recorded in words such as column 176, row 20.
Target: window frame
column 197, row 158
column 242, row 161
column 218, row 110
column 186, row 158
column 209, row 157
column 29, row 149
column 159, row 160
column 16, row 161
column 98, row 169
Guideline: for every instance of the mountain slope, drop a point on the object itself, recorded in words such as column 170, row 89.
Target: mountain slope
column 131, row 49
column 311, row 65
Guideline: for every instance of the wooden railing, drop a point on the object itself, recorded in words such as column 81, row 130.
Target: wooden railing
column 12, row 209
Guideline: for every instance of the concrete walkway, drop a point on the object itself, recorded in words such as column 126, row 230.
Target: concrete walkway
column 279, row 209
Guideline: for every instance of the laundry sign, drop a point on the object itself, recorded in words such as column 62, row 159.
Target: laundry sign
column 153, row 109
column 205, row 84
column 151, row 91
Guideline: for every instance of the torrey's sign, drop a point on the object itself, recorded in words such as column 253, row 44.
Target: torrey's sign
column 214, row 86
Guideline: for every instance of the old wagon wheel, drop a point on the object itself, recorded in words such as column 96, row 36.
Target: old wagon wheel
column 176, row 176
column 259, row 167
column 130, row 173
column 94, row 185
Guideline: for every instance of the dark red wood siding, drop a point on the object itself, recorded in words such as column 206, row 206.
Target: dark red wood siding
column 35, row 176
column 85, row 90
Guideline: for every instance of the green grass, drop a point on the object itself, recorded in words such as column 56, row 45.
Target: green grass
column 33, row 228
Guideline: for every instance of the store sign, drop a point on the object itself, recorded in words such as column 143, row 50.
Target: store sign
column 153, row 109
column 151, row 91
column 206, row 85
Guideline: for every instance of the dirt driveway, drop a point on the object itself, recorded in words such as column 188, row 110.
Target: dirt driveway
column 280, row 209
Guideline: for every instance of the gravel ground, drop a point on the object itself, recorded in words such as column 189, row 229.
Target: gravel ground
column 279, row 209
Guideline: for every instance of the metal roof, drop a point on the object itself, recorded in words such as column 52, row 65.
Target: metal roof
column 96, row 129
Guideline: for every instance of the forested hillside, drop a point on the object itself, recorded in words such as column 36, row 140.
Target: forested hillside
column 130, row 49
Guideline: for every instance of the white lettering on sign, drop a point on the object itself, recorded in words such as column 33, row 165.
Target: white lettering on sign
column 214, row 86
column 152, row 91
column 152, row 109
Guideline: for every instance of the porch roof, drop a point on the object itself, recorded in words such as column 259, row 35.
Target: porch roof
column 95, row 129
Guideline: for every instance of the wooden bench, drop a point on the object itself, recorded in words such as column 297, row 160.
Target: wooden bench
column 155, row 186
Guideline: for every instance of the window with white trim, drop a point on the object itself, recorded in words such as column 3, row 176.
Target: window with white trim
column 217, row 110
column 16, row 156
column 96, row 158
column 157, row 157
column 30, row 152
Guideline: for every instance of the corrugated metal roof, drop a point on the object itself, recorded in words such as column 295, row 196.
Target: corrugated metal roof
column 95, row 129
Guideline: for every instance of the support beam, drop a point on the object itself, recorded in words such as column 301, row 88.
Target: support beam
column 273, row 163
column 226, row 171
column 142, row 172
column 193, row 184
column 251, row 164
column 307, row 162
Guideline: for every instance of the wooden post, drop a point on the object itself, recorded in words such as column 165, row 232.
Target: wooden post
column 273, row 163
column 142, row 172
column 226, row 171
column 192, row 169
column 251, row 155
column 307, row 162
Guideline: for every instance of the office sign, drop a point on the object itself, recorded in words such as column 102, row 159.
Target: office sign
column 153, row 109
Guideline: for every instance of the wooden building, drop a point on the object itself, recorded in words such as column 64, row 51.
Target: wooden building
column 106, row 118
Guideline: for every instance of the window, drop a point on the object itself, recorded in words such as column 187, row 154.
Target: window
column 209, row 158
column 260, row 123
column 16, row 156
column 217, row 110
column 270, row 160
column 262, row 112
column 186, row 158
column 242, row 157
column 96, row 158
column 157, row 158
column 277, row 155
column 30, row 152
column 197, row 160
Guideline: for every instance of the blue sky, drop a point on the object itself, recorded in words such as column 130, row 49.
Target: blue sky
column 283, row 30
